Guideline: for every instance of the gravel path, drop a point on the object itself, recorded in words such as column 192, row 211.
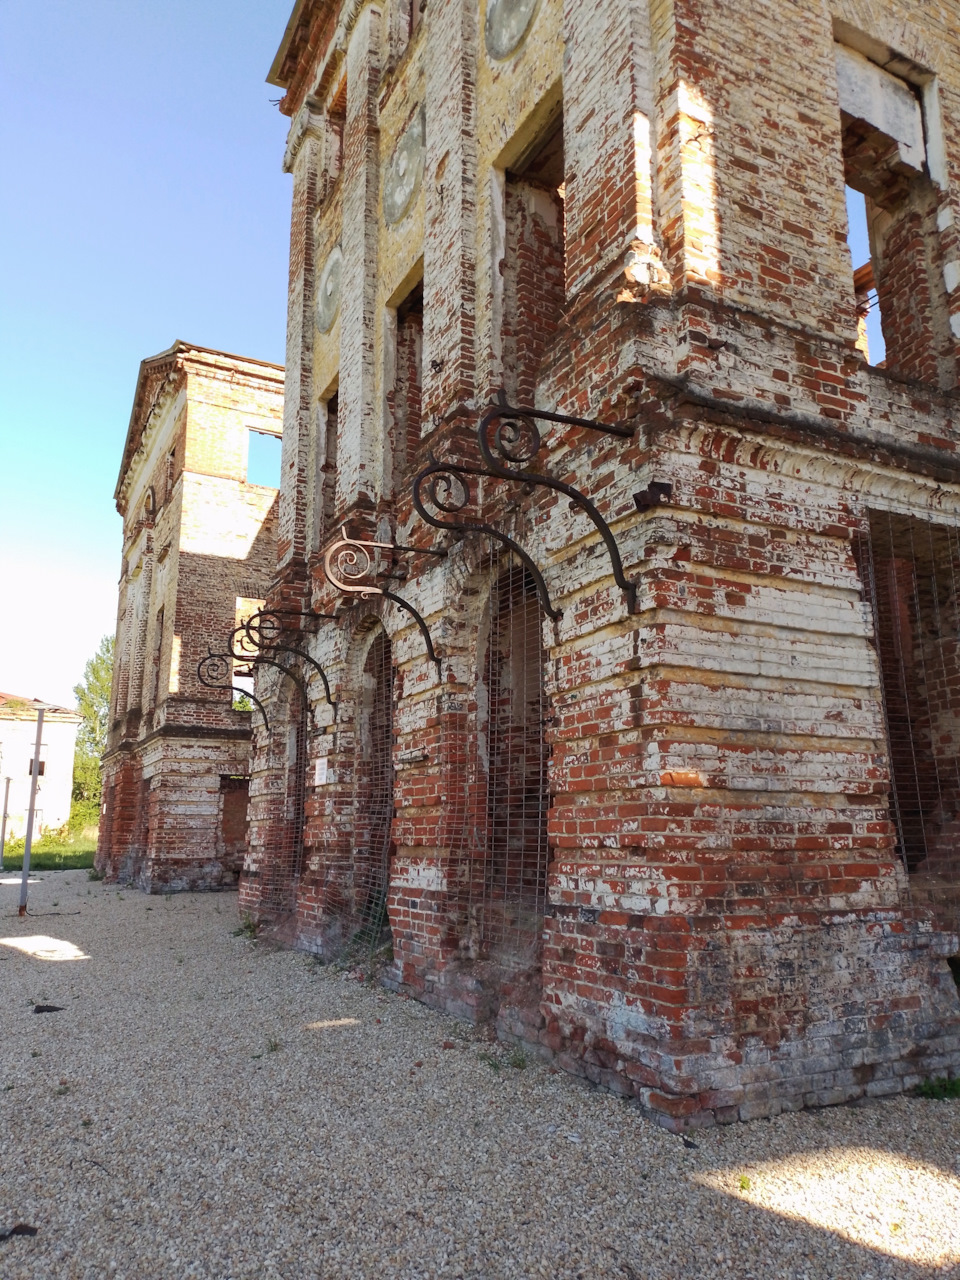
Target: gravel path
column 202, row 1106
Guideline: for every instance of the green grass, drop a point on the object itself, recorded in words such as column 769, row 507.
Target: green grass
column 56, row 858
column 69, row 849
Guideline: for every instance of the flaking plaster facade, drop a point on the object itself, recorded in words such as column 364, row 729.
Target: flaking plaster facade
column 732, row 923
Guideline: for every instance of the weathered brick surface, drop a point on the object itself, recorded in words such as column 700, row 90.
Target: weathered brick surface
column 730, row 930
column 197, row 537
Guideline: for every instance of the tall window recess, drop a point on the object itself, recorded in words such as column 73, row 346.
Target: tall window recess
column 336, row 116
column 373, row 796
column 887, row 141
column 325, row 468
column 910, row 571
column 404, row 399
column 171, row 474
column 533, row 261
column 409, row 13
column 157, row 657
column 509, row 884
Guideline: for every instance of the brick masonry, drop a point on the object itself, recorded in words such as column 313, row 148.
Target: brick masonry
column 199, row 543
column 729, row 930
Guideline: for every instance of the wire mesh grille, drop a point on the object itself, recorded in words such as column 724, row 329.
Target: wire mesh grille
column 285, row 817
column 297, row 785
column 373, row 800
column 909, row 568
column 508, row 882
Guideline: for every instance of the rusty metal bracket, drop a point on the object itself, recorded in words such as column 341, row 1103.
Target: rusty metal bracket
column 262, row 632
column 214, row 672
column 507, row 435
column 350, row 565
column 446, row 487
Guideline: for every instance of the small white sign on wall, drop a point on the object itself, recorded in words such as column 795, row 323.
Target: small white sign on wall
column 320, row 772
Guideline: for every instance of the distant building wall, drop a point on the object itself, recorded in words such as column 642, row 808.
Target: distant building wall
column 199, row 547
column 18, row 735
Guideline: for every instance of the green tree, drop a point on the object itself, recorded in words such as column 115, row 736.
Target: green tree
column 93, row 703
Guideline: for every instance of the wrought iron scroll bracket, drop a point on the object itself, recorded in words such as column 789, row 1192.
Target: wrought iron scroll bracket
column 207, row 669
column 262, row 631
column 349, row 564
column 446, row 487
column 507, row 435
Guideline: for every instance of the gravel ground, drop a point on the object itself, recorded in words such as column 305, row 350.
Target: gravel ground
column 202, row 1106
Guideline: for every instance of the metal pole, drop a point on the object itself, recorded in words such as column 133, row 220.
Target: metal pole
column 3, row 821
column 28, row 841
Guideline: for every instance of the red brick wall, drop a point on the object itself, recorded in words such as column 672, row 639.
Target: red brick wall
column 206, row 538
column 729, row 930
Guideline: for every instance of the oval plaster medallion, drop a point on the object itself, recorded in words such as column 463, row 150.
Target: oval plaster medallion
column 404, row 173
column 508, row 22
column 328, row 290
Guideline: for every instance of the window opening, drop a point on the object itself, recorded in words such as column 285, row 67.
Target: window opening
column 263, row 459
column 533, row 264
column 512, row 886
column 326, row 473
column 869, row 328
column 909, row 569
column 373, row 780
column 40, row 771
column 405, row 400
column 884, row 158
column 157, row 653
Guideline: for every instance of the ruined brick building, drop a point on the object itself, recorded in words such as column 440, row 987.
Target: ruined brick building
column 199, row 551
column 629, row 721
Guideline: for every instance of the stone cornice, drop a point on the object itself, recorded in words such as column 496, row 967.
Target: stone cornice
column 162, row 373
column 307, row 123
column 307, row 118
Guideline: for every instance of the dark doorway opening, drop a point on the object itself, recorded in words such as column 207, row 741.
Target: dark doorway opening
column 374, row 797
column 512, row 888
column 909, row 568
column 234, row 801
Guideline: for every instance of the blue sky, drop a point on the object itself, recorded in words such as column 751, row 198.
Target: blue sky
column 143, row 202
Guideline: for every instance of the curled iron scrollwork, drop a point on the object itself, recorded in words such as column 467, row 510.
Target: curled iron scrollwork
column 435, row 486
column 215, row 671
column 261, row 638
column 517, row 438
column 260, row 641
column 508, row 436
column 348, row 561
column 448, row 491
column 351, row 565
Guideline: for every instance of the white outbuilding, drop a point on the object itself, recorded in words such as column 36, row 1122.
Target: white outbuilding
column 18, row 735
